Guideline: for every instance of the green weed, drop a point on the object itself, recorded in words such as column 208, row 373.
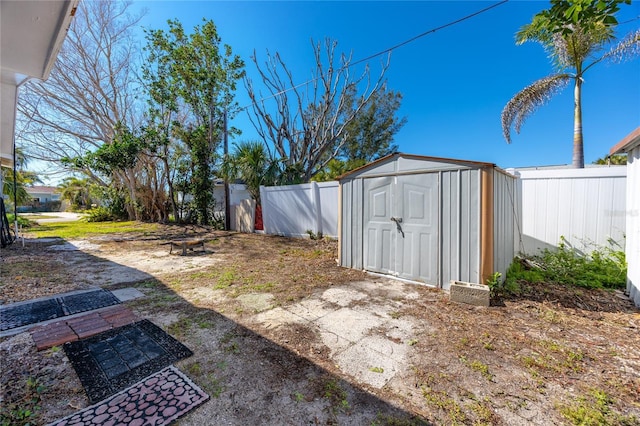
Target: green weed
column 478, row 366
column 22, row 221
column 336, row 395
column 226, row 279
column 213, row 386
column 444, row 402
column 25, row 410
column 181, row 327
column 387, row 420
column 594, row 409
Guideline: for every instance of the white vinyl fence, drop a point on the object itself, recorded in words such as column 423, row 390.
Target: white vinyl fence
column 295, row 209
column 585, row 206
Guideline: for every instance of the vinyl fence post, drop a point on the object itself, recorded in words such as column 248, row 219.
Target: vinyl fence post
column 317, row 206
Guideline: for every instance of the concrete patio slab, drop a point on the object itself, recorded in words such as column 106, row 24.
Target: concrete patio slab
column 126, row 294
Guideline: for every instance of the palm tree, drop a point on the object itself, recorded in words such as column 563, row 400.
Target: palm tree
column 18, row 179
column 76, row 191
column 574, row 39
column 252, row 163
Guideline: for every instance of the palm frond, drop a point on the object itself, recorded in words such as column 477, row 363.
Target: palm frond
column 628, row 48
column 527, row 101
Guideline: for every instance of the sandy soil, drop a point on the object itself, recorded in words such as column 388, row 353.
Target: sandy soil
column 282, row 335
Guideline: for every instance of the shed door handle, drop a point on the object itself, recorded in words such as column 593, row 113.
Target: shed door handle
column 396, row 219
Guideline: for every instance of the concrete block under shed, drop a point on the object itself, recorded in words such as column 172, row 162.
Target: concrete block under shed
column 470, row 293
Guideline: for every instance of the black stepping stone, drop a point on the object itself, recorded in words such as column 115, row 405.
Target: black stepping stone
column 18, row 315
column 83, row 302
column 115, row 359
column 14, row 316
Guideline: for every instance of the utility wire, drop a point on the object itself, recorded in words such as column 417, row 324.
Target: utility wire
column 390, row 49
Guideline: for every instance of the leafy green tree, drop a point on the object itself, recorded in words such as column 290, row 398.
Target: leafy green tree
column 574, row 33
column 193, row 77
column 23, row 180
column 337, row 167
column 370, row 135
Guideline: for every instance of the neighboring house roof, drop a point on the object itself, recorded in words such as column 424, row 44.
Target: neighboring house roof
column 31, row 35
column 629, row 142
column 38, row 189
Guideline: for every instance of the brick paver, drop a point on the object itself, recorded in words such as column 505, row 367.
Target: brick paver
column 72, row 329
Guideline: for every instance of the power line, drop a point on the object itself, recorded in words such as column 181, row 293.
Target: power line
column 388, row 50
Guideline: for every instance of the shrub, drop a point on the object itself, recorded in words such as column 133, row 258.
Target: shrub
column 604, row 267
column 98, row 214
column 22, row 221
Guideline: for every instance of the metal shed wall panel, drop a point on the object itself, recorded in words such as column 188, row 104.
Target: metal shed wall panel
column 351, row 232
column 504, row 221
column 460, row 226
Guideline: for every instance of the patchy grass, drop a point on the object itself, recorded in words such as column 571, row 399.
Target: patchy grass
column 78, row 229
column 594, row 409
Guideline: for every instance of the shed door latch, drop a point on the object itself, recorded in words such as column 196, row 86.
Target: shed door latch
column 398, row 221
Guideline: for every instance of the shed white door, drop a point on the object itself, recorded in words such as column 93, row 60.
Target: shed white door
column 378, row 229
column 401, row 226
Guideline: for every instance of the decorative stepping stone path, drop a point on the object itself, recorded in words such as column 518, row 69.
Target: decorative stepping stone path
column 157, row 400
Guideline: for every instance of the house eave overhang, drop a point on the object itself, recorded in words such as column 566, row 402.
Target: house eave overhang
column 629, row 142
column 31, row 36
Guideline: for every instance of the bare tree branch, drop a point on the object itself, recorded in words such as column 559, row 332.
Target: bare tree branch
column 311, row 134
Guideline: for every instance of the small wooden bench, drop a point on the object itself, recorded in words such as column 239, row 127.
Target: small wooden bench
column 186, row 244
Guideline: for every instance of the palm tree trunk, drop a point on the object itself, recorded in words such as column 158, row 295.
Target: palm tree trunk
column 578, row 146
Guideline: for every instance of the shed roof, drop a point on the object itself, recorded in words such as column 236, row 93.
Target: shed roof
column 629, row 142
column 391, row 157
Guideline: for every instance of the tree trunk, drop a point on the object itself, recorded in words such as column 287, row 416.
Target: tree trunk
column 578, row 146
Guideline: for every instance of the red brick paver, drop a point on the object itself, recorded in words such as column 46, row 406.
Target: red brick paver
column 72, row 329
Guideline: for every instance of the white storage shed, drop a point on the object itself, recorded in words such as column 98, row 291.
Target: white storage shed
column 428, row 219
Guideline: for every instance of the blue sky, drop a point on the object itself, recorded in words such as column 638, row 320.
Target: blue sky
column 454, row 82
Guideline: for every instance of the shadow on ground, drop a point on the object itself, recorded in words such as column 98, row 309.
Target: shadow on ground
column 250, row 378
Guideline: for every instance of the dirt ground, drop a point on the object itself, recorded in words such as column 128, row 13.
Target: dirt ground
column 282, row 335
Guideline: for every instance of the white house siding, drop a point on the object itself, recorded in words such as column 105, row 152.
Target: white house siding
column 585, row 206
column 633, row 224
